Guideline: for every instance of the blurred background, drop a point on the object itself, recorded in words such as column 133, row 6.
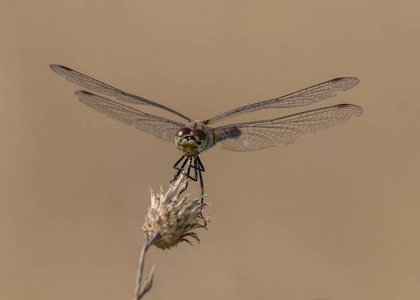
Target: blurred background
column 332, row 216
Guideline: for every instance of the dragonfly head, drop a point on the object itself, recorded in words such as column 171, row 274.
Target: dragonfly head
column 191, row 141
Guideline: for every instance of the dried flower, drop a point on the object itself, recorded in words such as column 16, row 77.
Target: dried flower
column 171, row 218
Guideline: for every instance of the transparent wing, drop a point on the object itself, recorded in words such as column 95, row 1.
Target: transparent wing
column 105, row 89
column 285, row 130
column 303, row 97
column 162, row 128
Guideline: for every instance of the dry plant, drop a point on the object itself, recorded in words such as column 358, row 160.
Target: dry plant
column 169, row 221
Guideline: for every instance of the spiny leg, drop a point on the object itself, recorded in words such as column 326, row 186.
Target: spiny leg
column 201, row 186
column 179, row 169
column 195, row 163
column 195, row 167
column 198, row 166
column 175, row 166
column 190, row 160
column 184, row 169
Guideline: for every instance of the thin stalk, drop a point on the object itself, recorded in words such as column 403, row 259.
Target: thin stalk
column 139, row 291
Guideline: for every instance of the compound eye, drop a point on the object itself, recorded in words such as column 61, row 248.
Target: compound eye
column 199, row 134
column 184, row 131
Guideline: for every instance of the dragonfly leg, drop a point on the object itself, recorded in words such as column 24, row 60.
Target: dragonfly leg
column 191, row 165
column 179, row 169
column 186, row 185
column 201, row 186
column 185, row 168
column 200, row 165
column 175, row 166
column 199, row 168
column 195, row 168
column 195, row 163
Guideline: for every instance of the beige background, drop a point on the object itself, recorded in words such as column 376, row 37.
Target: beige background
column 333, row 216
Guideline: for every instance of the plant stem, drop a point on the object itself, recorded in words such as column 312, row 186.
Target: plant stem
column 139, row 290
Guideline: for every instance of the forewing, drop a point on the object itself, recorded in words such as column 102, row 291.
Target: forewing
column 162, row 128
column 303, row 97
column 105, row 89
column 285, row 130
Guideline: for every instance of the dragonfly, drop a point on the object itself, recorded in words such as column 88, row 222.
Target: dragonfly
column 192, row 136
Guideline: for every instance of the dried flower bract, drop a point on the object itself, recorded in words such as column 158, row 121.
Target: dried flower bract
column 171, row 218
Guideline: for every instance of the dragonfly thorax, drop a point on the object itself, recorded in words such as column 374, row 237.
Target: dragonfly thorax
column 194, row 138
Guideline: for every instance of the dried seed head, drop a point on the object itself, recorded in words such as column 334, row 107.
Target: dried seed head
column 171, row 218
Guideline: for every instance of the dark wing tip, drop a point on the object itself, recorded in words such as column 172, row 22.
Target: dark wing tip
column 357, row 110
column 59, row 68
column 80, row 92
column 355, row 79
column 349, row 82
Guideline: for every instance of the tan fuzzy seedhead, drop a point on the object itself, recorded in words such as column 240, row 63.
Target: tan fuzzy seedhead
column 171, row 218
